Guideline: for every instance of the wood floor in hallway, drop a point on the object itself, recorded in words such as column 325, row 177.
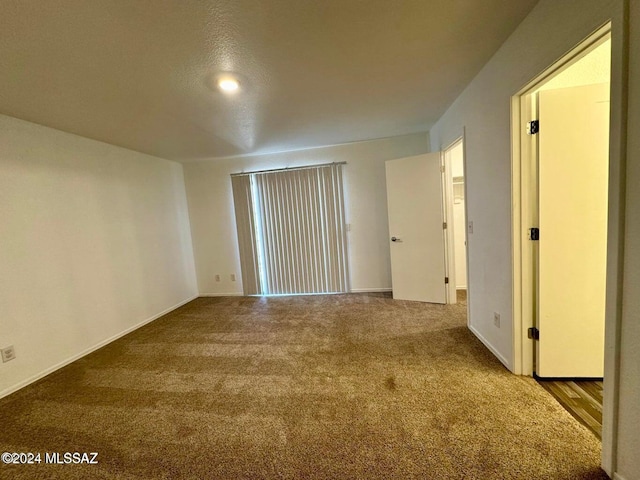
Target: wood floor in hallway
column 582, row 398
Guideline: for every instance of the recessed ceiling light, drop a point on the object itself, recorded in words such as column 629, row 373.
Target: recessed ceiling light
column 228, row 84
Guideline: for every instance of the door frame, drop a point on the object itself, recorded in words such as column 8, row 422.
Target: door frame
column 448, row 205
column 522, row 181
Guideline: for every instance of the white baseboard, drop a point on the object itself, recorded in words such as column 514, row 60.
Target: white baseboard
column 44, row 373
column 231, row 294
column 617, row 476
column 369, row 290
column 490, row 347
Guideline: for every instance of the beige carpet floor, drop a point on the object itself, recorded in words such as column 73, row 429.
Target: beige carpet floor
column 335, row 387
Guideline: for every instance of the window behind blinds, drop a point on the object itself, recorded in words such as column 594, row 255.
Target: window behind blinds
column 291, row 231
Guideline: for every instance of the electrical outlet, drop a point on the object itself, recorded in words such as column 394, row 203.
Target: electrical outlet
column 233, row 277
column 8, row 353
column 217, row 278
column 496, row 319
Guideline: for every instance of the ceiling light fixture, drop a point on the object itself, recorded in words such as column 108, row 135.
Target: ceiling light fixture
column 228, row 84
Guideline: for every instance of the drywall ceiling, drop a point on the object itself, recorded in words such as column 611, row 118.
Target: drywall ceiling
column 137, row 73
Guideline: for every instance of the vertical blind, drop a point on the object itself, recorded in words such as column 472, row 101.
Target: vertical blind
column 291, row 230
column 245, row 224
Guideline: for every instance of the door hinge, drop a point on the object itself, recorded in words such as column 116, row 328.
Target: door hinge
column 444, row 225
column 533, row 127
column 446, row 280
column 533, row 333
column 534, row 233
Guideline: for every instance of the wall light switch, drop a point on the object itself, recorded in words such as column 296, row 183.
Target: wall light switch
column 233, row 277
column 470, row 226
column 217, row 278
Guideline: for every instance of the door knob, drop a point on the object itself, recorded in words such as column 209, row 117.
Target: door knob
column 395, row 239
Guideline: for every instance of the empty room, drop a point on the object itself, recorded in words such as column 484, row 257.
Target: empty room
column 320, row 239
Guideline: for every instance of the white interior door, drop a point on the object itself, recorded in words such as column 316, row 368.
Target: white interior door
column 414, row 197
column 573, row 186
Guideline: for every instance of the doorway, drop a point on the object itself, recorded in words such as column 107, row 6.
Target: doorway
column 529, row 192
column 456, row 221
column 561, row 172
column 521, row 174
column 572, row 143
column 427, row 223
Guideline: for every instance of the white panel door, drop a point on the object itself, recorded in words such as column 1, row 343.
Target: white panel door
column 414, row 198
column 573, row 184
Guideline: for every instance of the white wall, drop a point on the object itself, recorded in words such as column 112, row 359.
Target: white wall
column 95, row 239
column 483, row 112
column 213, row 222
column 629, row 403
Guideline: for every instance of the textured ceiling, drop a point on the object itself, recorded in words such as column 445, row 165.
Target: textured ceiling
column 136, row 73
